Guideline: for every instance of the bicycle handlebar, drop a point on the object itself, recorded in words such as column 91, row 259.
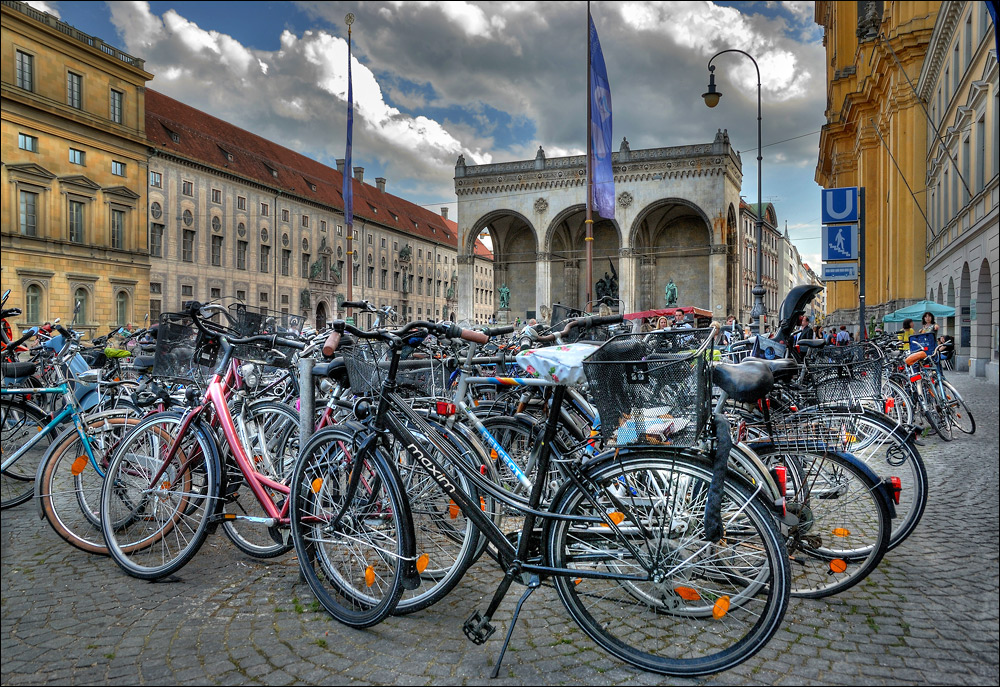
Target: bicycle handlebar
column 586, row 322
column 30, row 332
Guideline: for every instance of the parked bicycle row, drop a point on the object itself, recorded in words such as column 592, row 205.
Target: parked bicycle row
column 675, row 499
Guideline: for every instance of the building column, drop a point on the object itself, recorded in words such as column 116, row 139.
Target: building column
column 466, row 288
column 543, row 281
column 627, row 290
column 571, row 275
column 718, row 266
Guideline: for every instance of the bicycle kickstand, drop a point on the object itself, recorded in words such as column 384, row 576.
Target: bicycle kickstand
column 533, row 584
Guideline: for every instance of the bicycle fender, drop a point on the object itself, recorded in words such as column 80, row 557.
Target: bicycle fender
column 202, row 427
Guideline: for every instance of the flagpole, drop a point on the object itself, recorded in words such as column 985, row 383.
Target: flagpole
column 349, row 197
column 589, row 240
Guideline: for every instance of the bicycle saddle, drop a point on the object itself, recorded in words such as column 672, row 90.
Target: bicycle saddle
column 915, row 357
column 745, row 383
column 783, row 369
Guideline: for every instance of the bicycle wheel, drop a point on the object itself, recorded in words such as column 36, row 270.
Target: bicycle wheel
column 69, row 486
column 934, row 411
column 670, row 601
column 159, row 495
column 896, row 403
column 270, row 435
column 844, row 525
column 349, row 545
column 960, row 414
column 20, row 423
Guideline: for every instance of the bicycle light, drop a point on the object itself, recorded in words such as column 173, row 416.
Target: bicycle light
column 249, row 373
column 445, row 409
column 896, row 486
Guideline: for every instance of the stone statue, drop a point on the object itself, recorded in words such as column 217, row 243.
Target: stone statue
column 606, row 287
column 504, row 297
column 670, row 293
column 624, row 147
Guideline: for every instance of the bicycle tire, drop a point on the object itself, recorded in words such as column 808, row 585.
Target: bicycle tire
column 933, row 411
column 961, row 416
column 353, row 567
column 672, row 624
column 270, row 435
column 20, row 422
column 152, row 531
column 68, row 487
column 901, row 410
column 844, row 524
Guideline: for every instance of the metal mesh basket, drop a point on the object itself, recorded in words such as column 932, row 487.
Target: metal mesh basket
column 182, row 353
column 651, row 388
column 251, row 321
column 810, row 430
column 841, row 373
column 368, row 370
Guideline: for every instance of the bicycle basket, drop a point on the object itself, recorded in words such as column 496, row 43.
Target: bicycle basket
column 810, row 429
column 651, row 388
column 367, row 365
column 844, row 373
column 182, row 352
column 251, row 321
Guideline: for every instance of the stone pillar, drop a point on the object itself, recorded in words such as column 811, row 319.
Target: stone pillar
column 466, row 289
column 627, row 290
column 543, row 280
column 648, row 298
column 717, row 269
column 571, row 283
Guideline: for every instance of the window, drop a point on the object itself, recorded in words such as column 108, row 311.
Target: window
column 155, row 179
column 384, row 279
column 370, row 238
column 241, row 203
column 122, row 309
column 322, row 226
column 262, row 296
column 286, row 258
column 966, row 160
column 955, row 68
column 81, row 299
column 340, row 230
column 304, row 264
column 216, row 195
column 29, row 213
column 187, row 188
column 26, row 142
column 264, row 209
column 265, row 258
column 75, row 221
column 371, row 277
column 980, row 153
column 305, row 221
column 241, row 255
column 156, row 240
column 74, row 90
column 968, row 41
column 284, row 215
column 33, row 303
column 187, row 246
column 241, row 295
column 77, row 157
column 187, row 290
column 383, row 242
column 118, row 168
column 155, row 304
column 217, row 251
column 25, row 71
column 117, row 98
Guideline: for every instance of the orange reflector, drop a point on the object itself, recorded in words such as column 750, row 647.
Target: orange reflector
column 422, row 562
column 687, row 593
column 165, row 485
column 838, row 565
column 482, row 504
column 229, row 516
column 78, row 465
column 369, row 576
column 317, row 484
column 493, row 454
column 841, row 532
column 720, row 607
column 452, row 510
column 616, row 517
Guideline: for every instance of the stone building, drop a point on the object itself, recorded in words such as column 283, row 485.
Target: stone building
column 73, row 220
column 958, row 81
column 233, row 215
column 747, row 263
column 676, row 217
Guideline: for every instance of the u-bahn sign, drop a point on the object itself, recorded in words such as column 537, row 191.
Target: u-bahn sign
column 840, row 205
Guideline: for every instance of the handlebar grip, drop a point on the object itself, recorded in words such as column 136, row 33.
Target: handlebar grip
column 474, row 336
column 30, row 332
column 331, row 343
column 355, row 304
column 59, row 328
column 607, row 319
column 499, row 331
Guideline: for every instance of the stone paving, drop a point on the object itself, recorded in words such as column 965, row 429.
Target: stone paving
column 928, row 615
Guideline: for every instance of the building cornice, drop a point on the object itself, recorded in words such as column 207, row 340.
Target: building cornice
column 937, row 49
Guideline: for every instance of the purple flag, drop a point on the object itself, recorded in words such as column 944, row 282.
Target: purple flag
column 348, row 190
column 602, row 176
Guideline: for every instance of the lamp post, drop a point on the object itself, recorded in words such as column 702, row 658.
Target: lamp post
column 712, row 97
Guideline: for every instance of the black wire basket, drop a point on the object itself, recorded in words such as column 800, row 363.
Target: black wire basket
column 367, row 365
column 652, row 388
column 846, row 373
column 182, row 352
column 250, row 321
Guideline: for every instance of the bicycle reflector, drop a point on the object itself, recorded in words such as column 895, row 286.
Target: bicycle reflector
column 890, row 403
column 446, row 409
column 896, row 487
column 916, row 378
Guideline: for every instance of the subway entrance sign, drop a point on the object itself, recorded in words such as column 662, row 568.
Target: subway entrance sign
column 840, row 205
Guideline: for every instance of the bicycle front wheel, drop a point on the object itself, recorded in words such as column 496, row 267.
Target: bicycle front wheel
column 645, row 583
column 158, row 497
column 933, row 409
column 20, row 424
column 348, row 542
column 960, row 414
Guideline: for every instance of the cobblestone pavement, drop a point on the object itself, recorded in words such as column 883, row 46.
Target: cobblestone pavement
column 928, row 615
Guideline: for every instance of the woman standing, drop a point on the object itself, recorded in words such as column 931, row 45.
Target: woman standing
column 927, row 324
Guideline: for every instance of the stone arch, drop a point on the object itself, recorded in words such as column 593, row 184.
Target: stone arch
column 963, row 311
column 322, row 314
column 733, row 280
column 515, row 255
column 672, row 239
column 565, row 246
column 565, row 215
column 983, row 323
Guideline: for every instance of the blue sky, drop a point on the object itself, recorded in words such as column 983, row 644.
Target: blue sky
column 490, row 80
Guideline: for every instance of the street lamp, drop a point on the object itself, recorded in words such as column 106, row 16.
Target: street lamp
column 712, row 97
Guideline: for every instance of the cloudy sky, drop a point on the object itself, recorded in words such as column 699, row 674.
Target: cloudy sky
column 490, row 80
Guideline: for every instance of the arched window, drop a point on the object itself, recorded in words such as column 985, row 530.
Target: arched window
column 121, row 308
column 82, row 298
column 33, row 303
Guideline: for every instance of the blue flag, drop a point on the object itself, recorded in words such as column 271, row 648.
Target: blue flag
column 602, row 175
column 348, row 190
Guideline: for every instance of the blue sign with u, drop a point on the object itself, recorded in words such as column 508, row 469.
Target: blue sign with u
column 840, row 205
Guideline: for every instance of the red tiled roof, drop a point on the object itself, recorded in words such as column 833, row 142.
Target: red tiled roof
column 229, row 149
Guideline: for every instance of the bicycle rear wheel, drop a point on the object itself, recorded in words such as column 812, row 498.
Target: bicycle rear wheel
column 670, row 602
column 157, row 500
column 20, row 423
column 933, row 411
column 960, row 414
column 349, row 544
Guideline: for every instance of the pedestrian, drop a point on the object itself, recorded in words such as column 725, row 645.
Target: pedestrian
column 927, row 323
column 905, row 334
column 679, row 322
column 843, row 336
column 662, row 323
column 805, row 330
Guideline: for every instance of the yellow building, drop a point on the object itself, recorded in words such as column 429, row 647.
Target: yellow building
column 875, row 136
column 73, row 176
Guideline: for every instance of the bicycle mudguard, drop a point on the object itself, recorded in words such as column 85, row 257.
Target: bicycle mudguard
column 720, row 466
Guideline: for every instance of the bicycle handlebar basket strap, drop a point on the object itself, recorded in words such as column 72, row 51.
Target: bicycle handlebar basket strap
column 652, row 388
column 182, row 352
column 249, row 321
column 842, row 373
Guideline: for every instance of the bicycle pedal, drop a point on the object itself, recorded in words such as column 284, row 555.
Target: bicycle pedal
column 478, row 628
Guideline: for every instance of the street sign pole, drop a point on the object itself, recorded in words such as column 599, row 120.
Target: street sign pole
column 862, row 332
